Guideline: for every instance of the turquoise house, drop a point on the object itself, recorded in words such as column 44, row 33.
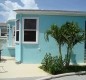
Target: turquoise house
column 3, row 30
column 9, row 48
column 3, row 35
column 30, row 26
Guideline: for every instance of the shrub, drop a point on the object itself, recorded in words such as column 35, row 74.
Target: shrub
column 52, row 65
column 46, row 62
column 55, row 65
column 75, row 68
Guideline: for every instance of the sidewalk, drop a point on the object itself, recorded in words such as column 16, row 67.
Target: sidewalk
column 12, row 70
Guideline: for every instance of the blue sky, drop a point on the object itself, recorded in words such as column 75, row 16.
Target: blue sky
column 7, row 6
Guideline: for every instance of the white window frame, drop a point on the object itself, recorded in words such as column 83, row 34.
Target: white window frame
column 37, row 30
column 8, row 28
column 1, row 32
column 17, row 30
column 13, row 36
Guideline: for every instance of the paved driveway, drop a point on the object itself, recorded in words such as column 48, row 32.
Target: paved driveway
column 74, row 77
column 9, row 69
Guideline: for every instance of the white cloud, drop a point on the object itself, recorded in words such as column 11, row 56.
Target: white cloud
column 29, row 4
column 8, row 7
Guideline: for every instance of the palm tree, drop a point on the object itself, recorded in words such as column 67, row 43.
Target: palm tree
column 72, row 35
column 55, row 32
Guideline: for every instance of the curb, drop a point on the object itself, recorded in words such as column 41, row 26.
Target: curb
column 62, row 75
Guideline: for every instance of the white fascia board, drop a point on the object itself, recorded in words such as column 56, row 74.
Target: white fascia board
column 51, row 12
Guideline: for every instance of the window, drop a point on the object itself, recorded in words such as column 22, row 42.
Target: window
column 17, row 30
column 7, row 31
column 13, row 31
column 30, row 30
column 3, row 31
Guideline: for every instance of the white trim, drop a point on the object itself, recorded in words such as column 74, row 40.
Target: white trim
column 11, row 47
column 37, row 29
column 17, row 30
column 0, row 31
column 3, row 32
column 3, row 37
column 8, row 28
column 51, row 12
column 78, row 64
column 13, row 37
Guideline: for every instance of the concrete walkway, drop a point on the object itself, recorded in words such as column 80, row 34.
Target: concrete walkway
column 74, row 77
column 65, row 75
column 9, row 69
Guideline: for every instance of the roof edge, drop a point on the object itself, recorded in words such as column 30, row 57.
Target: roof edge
column 50, row 12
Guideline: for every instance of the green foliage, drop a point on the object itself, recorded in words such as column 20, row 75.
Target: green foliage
column 46, row 62
column 52, row 65
column 75, row 68
column 55, row 32
column 72, row 35
column 55, row 65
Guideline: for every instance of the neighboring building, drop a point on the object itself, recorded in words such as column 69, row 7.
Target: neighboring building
column 3, row 35
column 3, row 30
column 11, row 33
column 9, row 48
column 30, row 45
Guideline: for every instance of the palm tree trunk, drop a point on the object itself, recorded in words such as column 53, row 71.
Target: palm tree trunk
column 70, row 52
column 60, row 54
column 67, row 56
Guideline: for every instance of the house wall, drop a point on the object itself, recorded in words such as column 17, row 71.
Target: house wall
column 3, row 39
column 34, row 53
column 8, row 52
column 8, row 49
column 10, row 25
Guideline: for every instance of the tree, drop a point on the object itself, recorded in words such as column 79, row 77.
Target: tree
column 55, row 32
column 72, row 35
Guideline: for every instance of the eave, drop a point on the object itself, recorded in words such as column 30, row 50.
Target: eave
column 51, row 12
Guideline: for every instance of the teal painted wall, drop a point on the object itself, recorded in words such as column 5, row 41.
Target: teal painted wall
column 18, row 47
column 7, row 49
column 34, row 53
column 8, row 52
column 17, row 53
column 11, row 24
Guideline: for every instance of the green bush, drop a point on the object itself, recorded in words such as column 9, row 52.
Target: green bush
column 75, row 68
column 52, row 65
column 46, row 62
column 55, row 65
